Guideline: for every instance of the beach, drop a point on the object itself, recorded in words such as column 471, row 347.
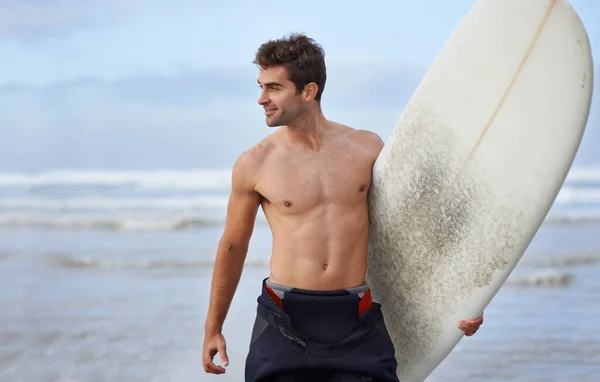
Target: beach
column 107, row 278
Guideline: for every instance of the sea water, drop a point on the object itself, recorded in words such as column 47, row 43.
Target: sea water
column 105, row 276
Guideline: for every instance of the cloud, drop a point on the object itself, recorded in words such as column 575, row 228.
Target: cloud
column 194, row 118
column 182, row 90
column 32, row 20
column 224, row 95
column 347, row 87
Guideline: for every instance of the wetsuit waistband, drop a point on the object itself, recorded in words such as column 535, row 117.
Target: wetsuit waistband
column 362, row 292
column 281, row 289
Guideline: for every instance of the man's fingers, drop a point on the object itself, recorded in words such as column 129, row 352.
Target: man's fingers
column 209, row 365
column 213, row 369
column 467, row 330
column 470, row 327
column 468, row 323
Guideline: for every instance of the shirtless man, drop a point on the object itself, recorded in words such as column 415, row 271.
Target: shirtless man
column 315, row 318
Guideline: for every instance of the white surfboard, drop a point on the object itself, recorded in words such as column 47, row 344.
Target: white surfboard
column 472, row 168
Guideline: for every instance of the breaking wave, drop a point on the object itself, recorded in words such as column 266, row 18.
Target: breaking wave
column 180, row 217
column 563, row 260
column 88, row 262
column 541, row 277
column 193, row 179
column 578, row 195
column 111, row 223
column 133, row 223
column 166, row 180
column 114, row 204
column 184, row 200
column 587, row 174
column 573, row 216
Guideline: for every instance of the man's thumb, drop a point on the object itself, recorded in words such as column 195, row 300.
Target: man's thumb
column 223, row 354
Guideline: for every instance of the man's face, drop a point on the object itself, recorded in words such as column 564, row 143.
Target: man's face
column 278, row 97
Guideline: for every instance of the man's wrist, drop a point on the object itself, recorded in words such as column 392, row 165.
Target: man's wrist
column 213, row 329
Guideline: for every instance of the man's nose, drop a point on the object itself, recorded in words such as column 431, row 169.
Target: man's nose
column 263, row 98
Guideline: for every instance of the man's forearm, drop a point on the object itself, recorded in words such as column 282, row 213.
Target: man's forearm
column 226, row 276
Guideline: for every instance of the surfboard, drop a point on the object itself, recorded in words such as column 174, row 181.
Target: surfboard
column 471, row 169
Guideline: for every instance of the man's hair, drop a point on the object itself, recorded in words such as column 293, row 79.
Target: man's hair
column 303, row 58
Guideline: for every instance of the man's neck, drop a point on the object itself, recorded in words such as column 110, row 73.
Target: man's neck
column 308, row 132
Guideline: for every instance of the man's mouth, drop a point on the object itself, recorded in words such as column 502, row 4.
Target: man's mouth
column 269, row 111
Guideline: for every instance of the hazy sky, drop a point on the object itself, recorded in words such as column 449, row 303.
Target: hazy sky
column 148, row 83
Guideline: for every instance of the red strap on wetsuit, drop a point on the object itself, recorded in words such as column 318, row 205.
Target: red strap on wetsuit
column 365, row 302
column 274, row 296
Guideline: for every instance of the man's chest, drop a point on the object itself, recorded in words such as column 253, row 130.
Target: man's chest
column 300, row 183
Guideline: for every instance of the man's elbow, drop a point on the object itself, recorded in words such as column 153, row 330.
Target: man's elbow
column 231, row 247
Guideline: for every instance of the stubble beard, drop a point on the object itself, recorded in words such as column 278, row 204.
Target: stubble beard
column 285, row 117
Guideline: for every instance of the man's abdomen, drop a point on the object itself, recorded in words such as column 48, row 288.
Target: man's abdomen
column 323, row 254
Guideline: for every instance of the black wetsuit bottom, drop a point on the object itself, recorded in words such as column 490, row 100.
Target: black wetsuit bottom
column 319, row 336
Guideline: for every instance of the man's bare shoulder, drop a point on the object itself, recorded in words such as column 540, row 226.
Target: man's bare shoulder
column 368, row 139
column 248, row 165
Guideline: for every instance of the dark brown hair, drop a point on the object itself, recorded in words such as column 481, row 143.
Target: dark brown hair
column 303, row 58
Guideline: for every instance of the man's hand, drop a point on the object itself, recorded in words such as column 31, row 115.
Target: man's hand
column 213, row 344
column 469, row 327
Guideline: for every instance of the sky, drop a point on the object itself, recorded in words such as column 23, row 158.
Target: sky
column 146, row 84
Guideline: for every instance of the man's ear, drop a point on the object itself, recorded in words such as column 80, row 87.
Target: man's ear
column 310, row 91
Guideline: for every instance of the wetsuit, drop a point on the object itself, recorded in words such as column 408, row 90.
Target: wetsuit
column 315, row 336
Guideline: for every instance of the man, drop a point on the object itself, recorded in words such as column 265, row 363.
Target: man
column 315, row 317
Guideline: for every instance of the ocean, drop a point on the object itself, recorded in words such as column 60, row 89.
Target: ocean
column 105, row 276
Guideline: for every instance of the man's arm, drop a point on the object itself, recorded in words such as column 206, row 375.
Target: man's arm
column 231, row 254
column 233, row 246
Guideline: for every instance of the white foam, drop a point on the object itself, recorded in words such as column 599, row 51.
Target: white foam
column 156, row 179
column 575, row 259
column 133, row 223
column 543, row 277
column 584, row 174
column 194, row 179
column 130, row 223
column 113, row 204
column 88, row 262
column 578, row 195
column 573, row 216
column 569, row 195
column 172, row 220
